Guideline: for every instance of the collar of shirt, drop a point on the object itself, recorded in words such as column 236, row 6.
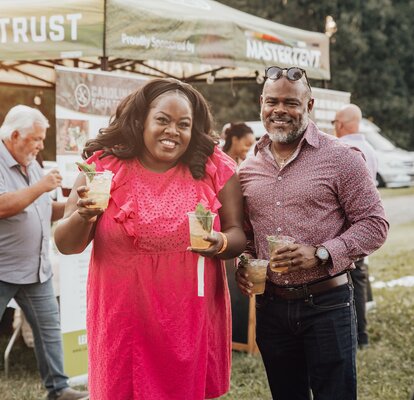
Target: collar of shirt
column 353, row 136
column 7, row 157
column 9, row 160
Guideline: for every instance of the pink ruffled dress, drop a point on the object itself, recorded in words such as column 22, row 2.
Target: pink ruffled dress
column 158, row 317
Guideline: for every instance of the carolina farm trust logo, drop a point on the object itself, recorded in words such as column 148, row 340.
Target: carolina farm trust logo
column 82, row 95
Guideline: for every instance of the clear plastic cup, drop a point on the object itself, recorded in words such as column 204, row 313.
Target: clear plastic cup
column 257, row 270
column 200, row 226
column 99, row 184
column 276, row 242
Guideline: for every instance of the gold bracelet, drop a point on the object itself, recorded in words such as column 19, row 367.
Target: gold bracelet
column 225, row 243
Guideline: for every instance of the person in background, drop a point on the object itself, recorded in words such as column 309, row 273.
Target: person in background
column 347, row 124
column 238, row 139
column 158, row 316
column 26, row 211
column 303, row 183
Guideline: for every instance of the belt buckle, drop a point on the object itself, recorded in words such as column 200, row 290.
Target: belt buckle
column 298, row 292
column 291, row 289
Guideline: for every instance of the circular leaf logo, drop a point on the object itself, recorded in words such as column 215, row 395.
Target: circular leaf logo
column 82, row 95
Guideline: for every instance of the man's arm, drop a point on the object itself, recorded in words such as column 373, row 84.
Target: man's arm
column 12, row 203
column 364, row 212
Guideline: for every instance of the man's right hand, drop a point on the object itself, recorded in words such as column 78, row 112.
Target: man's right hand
column 242, row 281
column 51, row 180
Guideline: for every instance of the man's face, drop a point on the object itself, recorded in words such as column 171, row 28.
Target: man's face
column 26, row 147
column 285, row 108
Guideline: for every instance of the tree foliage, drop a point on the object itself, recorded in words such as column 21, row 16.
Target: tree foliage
column 372, row 53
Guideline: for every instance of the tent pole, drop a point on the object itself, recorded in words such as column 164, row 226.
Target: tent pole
column 104, row 58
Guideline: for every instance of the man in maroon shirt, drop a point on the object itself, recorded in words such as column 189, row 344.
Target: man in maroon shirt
column 305, row 184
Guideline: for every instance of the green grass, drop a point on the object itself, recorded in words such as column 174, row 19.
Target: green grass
column 385, row 369
column 385, row 192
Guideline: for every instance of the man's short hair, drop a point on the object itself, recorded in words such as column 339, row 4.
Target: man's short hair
column 22, row 119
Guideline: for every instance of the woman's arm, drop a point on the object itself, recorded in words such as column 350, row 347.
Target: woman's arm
column 231, row 219
column 75, row 231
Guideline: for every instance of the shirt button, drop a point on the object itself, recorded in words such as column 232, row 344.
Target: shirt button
column 279, row 178
column 278, row 203
column 279, row 229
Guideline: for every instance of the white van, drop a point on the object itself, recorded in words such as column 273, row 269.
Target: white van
column 395, row 165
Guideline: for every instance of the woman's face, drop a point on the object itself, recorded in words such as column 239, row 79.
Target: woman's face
column 167, row 131
column 240, row 147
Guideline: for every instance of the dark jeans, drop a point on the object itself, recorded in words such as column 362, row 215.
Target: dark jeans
column 360, row 280
column 309, row 345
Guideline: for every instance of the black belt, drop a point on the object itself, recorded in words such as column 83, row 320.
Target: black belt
column 303, row 291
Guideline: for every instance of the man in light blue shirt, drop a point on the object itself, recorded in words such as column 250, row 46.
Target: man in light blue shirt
column 26, row 211
column 347, row 121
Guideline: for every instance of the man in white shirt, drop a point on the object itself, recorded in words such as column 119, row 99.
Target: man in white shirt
column 346, row 122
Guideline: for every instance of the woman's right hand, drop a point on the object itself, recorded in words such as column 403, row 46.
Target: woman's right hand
column 87, row 213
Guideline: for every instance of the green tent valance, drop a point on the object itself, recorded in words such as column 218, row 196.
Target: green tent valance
column 187, row 39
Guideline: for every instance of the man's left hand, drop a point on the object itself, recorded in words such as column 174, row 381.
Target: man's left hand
column 294, row 257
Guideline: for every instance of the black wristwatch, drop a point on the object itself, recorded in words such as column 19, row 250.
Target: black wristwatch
column 322, row 254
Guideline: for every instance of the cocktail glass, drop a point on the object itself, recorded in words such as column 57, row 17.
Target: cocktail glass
column 276, row 242
column 256, row 270
column 99, row 184
column 200, row 226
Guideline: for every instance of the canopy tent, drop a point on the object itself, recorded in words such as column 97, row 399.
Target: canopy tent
column 186, row 39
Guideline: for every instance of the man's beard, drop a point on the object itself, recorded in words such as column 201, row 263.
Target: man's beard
column 279, row 135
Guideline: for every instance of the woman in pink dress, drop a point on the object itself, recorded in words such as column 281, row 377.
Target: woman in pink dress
column 158, row 317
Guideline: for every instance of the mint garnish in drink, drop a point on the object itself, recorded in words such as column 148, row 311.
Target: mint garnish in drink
column 204, row 216
column 89, row 169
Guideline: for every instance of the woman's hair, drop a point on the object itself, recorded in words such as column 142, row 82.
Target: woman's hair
column 237, row 130
column 123, row 138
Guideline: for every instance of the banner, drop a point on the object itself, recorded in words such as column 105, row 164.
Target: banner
column 186, row 39
column 210, row 33
column 85, row 100
column 43, row 29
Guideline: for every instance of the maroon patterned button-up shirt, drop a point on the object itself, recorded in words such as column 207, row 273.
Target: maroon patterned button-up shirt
column 323, row 196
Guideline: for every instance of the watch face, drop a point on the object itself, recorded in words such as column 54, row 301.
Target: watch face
column 322, row 253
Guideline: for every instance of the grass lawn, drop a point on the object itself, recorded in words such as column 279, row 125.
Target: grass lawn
column 386, row 193
column 385, row 370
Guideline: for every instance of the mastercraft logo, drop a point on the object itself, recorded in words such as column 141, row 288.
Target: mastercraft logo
column 273, row 49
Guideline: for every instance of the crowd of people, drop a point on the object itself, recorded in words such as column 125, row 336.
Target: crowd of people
column 158, row 311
